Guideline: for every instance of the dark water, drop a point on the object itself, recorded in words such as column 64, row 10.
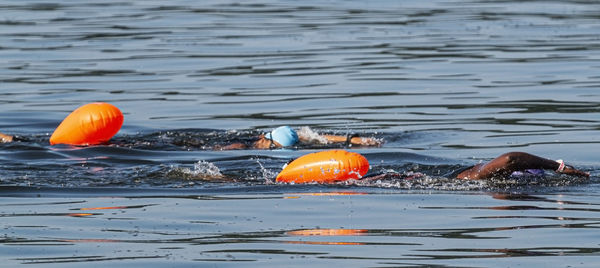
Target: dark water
column 444, row 84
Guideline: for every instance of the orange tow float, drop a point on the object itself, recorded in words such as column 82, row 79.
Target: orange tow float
column 90, row 124
column 325, row 167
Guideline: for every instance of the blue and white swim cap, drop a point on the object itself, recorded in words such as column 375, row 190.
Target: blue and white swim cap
column 286, row 136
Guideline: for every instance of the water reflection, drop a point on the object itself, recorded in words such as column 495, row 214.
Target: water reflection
column 333, row 193
column 509, row 253
column 114, row 207
column 327, row 232
column 240, row 233
column 526, row 197
column 82, row 259
column 519, row 197
column 49, row 214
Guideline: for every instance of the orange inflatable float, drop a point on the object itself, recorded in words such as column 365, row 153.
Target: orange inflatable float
column 90, row 124
column 325, row 167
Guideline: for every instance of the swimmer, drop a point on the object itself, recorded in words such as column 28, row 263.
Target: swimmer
column 285, row 136
column 278, row 138
column 517, row 164
column 509, row 165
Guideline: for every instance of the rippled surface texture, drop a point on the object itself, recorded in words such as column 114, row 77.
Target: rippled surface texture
column 444, row 84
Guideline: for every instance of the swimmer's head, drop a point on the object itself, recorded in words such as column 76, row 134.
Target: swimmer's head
column 286, row 136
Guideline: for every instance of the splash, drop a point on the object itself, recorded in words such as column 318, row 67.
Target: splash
column 410, row 180
column 268, row 175
column 312, row 135
column 203, row 170
column 204, row 167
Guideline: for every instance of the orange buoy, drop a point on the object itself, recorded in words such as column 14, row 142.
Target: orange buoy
column 89, row 124
column 325, row 167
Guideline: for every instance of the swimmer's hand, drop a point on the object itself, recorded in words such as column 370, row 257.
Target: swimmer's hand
column 575, row 172
column 365, row 141
column 5, row 138
column 264, row 143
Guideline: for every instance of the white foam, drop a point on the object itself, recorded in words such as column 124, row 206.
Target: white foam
column 203, row 170
column 207, row 168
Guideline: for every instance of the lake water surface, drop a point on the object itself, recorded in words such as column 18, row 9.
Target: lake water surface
column 444, row 85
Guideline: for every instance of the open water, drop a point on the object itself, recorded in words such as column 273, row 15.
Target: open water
column 444, row 84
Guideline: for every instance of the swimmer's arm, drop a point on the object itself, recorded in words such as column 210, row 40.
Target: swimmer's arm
column 353, row 140
column 507, row 163
column 261, row 143
column 233, row 146
column 264, row 143
column 5, row 138
column 575, row 172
